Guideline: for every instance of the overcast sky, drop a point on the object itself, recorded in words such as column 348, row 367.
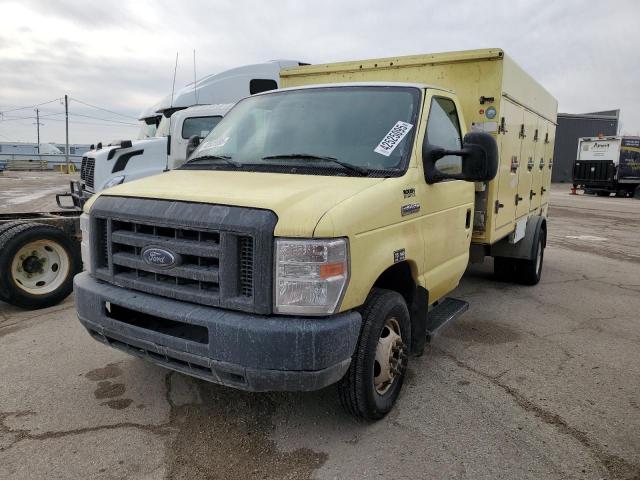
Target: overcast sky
column 120, row 55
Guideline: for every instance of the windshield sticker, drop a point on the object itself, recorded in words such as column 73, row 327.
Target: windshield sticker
column 393, row 138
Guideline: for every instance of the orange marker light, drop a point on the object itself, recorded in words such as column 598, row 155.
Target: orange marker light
column 331, row 270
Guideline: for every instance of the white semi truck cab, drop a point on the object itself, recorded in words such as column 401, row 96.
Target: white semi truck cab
column 201, row 106
column 128, row 160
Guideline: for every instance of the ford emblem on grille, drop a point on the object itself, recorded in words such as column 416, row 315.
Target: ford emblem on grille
column 159, row 257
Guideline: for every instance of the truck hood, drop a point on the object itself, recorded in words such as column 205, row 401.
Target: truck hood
column 151, row 158
column 299, row 201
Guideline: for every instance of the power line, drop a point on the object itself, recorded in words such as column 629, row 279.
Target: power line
column 31, row 106
column 4, row 118
column 94, row 123
column 103, row 119
column 101, row 108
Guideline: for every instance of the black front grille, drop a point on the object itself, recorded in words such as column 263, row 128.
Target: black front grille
column 246, row 266
column 215, row 264
column 87, row 169
column 196, row 276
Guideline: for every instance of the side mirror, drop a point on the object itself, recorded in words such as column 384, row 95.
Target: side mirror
column 479, row 159
column 192, row 144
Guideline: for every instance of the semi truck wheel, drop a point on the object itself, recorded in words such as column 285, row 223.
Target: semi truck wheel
column 37, row 265
column 529, row 272
column 373, row 382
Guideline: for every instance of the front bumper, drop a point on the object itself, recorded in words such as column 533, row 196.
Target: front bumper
column 240, row 350
column 78, row 194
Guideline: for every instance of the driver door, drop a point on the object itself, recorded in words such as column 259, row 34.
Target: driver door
column 448, row 205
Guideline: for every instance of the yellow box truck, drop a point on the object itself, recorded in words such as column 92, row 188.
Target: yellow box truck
column 313, row 236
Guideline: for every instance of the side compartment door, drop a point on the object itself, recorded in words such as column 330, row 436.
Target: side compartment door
column 448, row 205
column 549, row 142
column 537, row 168
column 510, row 163
column 526, row 170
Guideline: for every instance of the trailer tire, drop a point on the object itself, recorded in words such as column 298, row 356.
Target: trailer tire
column 383, row 347
column 529, row 272
column 3, row 228
column 37, row 265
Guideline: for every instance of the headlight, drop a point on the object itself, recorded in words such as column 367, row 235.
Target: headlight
column 114, row 181
column 310, row 276
column 85, row 247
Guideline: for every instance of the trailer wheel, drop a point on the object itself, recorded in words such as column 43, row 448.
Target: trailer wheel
column 37, row 265
column 373, row 382
column 529, row 272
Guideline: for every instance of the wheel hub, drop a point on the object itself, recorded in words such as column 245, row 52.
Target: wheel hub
column 33, row 264
column 40, row 267
column 390, row 361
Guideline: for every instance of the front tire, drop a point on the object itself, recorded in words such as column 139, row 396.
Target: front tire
column 373, row 382
column 37, row 265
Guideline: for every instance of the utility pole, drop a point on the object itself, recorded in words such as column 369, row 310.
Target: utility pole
column 38, row 128
column 66, row 124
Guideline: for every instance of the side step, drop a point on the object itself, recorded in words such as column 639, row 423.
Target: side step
column 444, row 312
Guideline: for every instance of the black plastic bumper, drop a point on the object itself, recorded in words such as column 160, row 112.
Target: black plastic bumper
column 240, row 350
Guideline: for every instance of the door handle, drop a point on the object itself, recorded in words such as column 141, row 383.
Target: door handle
column 518, row 199
column 498, row 206
column 542, row 190
column 532, row 194
column 467, row 222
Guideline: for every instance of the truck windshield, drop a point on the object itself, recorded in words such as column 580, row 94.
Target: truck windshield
column 147, row 129
column 350, row 130
column 163, row 127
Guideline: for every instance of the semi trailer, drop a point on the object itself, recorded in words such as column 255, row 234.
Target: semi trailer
column 312, row 238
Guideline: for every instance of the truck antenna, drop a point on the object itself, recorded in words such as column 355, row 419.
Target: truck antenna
column 173, row 87
column 195, row 78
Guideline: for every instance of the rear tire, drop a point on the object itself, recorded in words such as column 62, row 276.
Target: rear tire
column 529, row 272
column 37, row 265
column 373, row 382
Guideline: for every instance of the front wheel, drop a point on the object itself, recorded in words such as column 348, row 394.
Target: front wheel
column 373, row 382
column 37, row 265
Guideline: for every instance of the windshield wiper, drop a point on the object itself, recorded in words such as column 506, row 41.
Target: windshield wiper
column 213, row 158
column 363, row 172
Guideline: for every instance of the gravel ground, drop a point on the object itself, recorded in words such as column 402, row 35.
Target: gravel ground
column 532, row 382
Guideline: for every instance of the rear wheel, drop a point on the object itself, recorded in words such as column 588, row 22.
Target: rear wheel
column 373, row 382
column 38, row 263
column 529, row 272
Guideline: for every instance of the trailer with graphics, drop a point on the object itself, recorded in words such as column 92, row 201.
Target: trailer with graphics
column 606, row 165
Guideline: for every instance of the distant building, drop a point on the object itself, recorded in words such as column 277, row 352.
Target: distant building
column 570, row 128
column 26, row 148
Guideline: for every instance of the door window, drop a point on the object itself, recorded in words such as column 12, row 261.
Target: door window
column 200, row 126
column 443, row 130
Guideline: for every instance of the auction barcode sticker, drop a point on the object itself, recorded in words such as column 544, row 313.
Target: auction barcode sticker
column 393, row 138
